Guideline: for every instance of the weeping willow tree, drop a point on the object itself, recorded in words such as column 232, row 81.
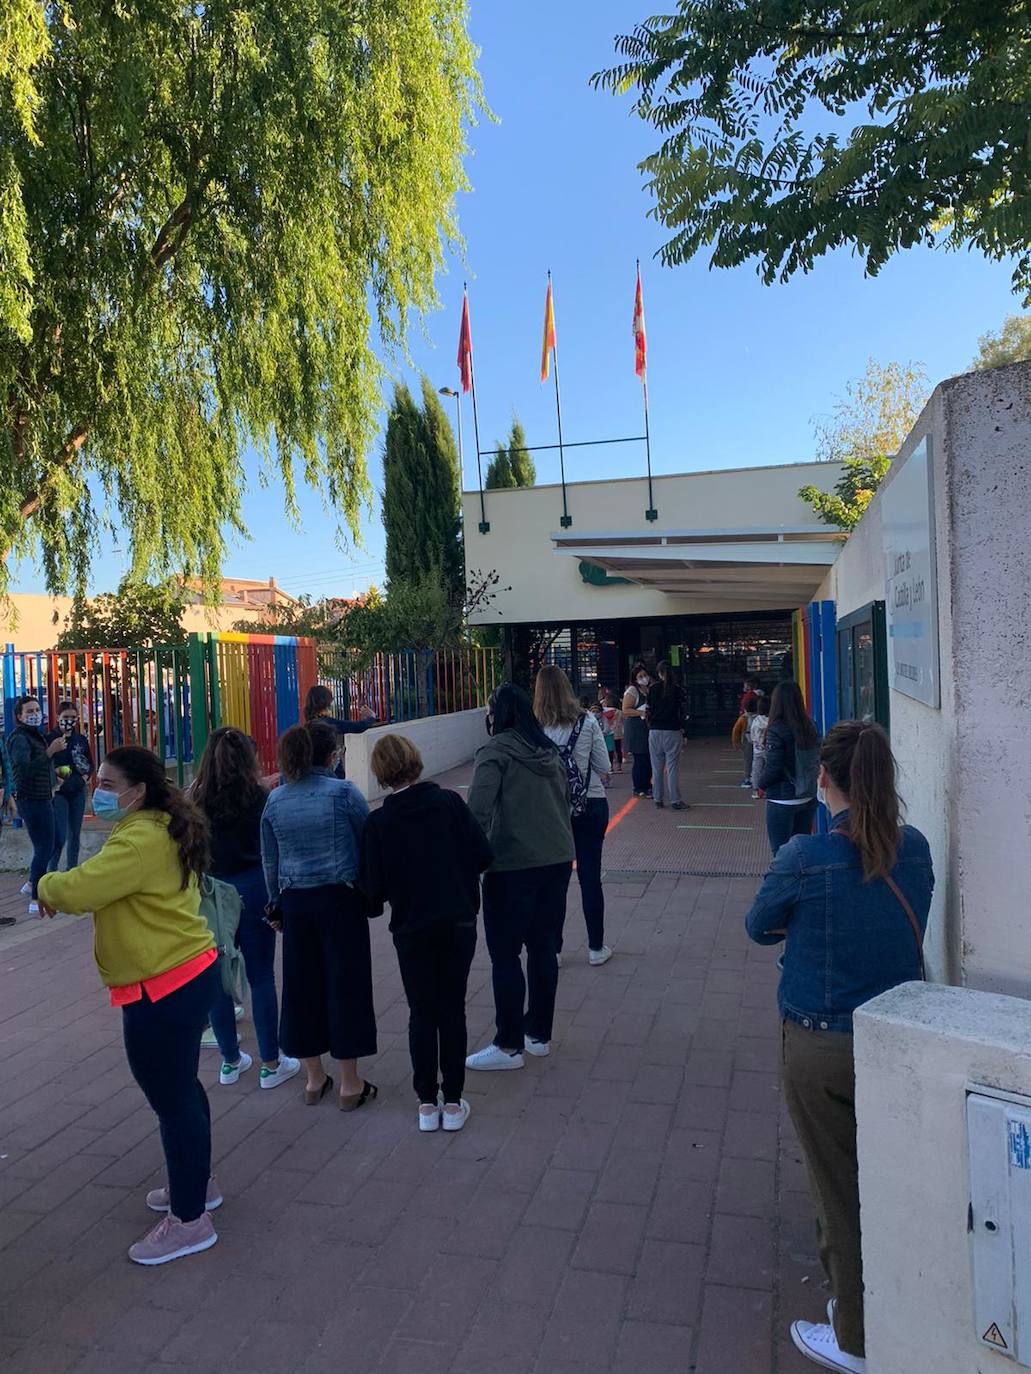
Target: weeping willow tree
column 211, row 214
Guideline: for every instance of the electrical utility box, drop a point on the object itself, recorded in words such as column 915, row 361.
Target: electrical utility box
column 999, row 1144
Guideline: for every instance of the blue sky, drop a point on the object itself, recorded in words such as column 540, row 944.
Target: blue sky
column 737, row 371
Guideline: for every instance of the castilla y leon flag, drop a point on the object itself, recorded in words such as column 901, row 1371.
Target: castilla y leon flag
column 549, row 334
column 465, row 346
column 640, row 338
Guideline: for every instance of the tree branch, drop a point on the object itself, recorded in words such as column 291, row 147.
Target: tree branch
column 32, row 502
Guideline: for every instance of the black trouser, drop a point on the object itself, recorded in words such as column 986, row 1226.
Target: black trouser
column 619, row 752
column 641, row 770
column 589, row 837
column 162, row 1044
column 38, row 819
column 784, row 821
column 435, row 970
column 524, row 907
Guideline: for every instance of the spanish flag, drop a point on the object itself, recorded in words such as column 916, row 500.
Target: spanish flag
column 549, row 334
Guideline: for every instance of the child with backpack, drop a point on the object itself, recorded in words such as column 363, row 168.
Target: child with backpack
column 758, row 720
column 599, row 713
column 581, row 743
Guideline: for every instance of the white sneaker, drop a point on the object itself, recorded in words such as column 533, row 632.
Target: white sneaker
column 493, row 1057
column 33, row 908
column 429, row 1116
column 271, row 1078
column 208, row 1041
column 601, row 956
column 26, row 889
column 454, row 1121
column 821, row 1346
column 230, row 1073
column 538, row 1047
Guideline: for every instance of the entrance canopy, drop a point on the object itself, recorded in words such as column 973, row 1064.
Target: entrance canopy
column 742, row 567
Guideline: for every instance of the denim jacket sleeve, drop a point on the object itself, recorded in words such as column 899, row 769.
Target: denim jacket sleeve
column 270, row 854
column 773, row 768
column 777, row 898
column 6, row 775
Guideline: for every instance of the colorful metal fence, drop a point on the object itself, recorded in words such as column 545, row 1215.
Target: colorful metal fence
column 169, row 699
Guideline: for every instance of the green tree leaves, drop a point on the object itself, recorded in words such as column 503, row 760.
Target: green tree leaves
column 1010, row 344
column 793, row 128
column 421, row 502
column 136, row 616
column 512, row 464
column 210, row 218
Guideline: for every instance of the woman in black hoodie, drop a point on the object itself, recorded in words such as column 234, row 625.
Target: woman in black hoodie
column 790, row 765
column 423, row 853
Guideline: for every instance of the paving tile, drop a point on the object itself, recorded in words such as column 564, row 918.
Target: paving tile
column 531, row 1269
column 611, row 1238
column 584, row 1325
column 667, row 1283
column 747, row 1188
column 742, row 1252
column 736, row 1332
column 652, row 1348
column 561, row 1199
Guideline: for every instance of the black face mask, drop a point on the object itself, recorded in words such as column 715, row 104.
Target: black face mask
column 488, row 720
column 67, row 726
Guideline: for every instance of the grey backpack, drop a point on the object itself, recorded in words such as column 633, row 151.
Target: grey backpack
column 221, row 905
column 807, row 767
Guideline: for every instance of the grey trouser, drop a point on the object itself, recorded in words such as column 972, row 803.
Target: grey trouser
column 664, row 747
column 820, row 1092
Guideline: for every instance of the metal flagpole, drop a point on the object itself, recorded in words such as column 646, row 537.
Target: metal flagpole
column 484, row 522
column 640, row 349
column 651, row 513
column 566, row 519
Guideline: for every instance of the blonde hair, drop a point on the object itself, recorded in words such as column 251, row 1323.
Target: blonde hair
column 554, row 702
column 396, row 761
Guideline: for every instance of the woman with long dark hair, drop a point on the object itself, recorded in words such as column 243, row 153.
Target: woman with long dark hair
column 318, row 705
column 32, row 763
column 852, row 907
column 311, row 834
column 156, row 953
column 520, row 797
column 788, row 773
column 635, row 728
column 228, row 790
column 666, row 736
column 578, row 734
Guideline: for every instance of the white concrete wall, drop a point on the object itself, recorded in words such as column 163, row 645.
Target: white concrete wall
column 546, row 585
column 917, row 1050
column 965, row 768
column 443, row 741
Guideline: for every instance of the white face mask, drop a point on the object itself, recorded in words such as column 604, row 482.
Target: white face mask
column 821, row 795
column 643, row 681
column 33, row 718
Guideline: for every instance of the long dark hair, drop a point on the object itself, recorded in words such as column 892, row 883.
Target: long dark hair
column 510, row 708
column 319, row 699
column 304, row 747
column 186, row 826
column 787, row 707
column 858, row 757
column 227, row 782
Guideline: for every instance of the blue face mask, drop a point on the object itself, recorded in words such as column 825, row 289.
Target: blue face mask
column 106, row 807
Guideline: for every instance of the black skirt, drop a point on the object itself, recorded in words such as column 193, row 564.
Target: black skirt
column 327, row 974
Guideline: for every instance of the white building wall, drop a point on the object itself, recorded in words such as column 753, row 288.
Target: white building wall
column 918, row 1048
column 443, row 741
column 539, row 584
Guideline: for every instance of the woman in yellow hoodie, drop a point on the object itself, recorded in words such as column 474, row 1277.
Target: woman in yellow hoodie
column 156, row 954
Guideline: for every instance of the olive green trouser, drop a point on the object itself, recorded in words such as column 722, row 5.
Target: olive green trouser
column 820, row 1089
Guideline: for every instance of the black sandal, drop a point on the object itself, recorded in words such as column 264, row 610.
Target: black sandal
column 313, row 1096
column 352, row 1101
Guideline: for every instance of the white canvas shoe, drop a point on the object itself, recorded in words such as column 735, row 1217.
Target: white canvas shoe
column 287, row 1068
column 429, row 1116
column 820, row 1344
column 599, row 956
column 493, row 1057
column 538, row 1047
column 454, row 1121
column 230, row 1073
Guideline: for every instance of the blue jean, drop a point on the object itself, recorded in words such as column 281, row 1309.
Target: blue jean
column 38, row 817
column 162, row 1045
column 589, row 837
column 257, row 943
column 68, row 814
column 784, row 821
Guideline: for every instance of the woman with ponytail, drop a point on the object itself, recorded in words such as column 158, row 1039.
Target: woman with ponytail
column 156, row 954
column 852, row 909
column 311, row 832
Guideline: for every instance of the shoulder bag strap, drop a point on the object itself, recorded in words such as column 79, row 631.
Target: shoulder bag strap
column 903, row 902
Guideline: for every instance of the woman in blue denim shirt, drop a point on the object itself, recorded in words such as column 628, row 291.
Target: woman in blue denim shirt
column 311, row 830
column 852, row 908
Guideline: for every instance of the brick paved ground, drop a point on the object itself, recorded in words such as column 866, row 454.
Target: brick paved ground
column 634, row 1204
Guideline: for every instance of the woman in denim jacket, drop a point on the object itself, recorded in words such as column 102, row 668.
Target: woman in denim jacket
column 311, row 831
column 852, row 908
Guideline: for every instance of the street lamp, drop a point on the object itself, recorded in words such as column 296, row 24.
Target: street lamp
column 450, row 391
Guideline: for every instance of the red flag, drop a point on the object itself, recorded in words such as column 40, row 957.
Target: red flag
column 640, row 338
column 465, row 346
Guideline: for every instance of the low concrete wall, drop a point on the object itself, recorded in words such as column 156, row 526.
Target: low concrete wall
column 443, row 741
column 918, row 1048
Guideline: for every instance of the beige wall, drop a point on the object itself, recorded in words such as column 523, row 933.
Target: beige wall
column 964, row 768
column 546, row 585
column 37, row 620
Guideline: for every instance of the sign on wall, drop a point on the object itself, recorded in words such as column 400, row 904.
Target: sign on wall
column 911, row 576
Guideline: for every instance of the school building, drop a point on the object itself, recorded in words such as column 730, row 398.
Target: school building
column 920, row 619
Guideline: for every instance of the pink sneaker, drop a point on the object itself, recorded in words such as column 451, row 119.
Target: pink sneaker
column 171, row 1239
column 158, row 1199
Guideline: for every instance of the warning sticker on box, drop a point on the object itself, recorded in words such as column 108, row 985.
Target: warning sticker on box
column 995, row 1337
column 1020, row 1145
